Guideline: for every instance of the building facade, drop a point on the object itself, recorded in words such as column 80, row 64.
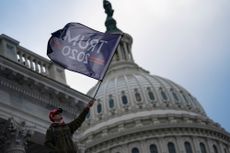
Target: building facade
column 30, row 86
column 135, row 112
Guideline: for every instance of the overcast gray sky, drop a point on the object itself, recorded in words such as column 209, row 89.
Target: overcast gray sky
column 186, row 41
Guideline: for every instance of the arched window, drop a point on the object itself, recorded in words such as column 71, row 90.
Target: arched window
column 188, row 147
column 171, row 147
column 99, row 108
column 202, row 148
column 215, row 149
column 111, row 101
column 124, row 98
column 153, row 148
column 137, row 95
column 135, row 150
column 150, row 93
column 163, row 94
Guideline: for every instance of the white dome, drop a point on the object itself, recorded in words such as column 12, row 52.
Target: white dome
column 129, row 88
column 136, row 111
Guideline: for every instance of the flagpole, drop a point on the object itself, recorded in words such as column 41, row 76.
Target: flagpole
column 110, row 61
column 100, row 81
column 97, row 89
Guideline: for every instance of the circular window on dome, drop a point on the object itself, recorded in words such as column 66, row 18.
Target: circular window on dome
column 99, row 106
column 111, row 102
column 137, row 95
column 135, row 150
column 124, row 98
column 150, row 94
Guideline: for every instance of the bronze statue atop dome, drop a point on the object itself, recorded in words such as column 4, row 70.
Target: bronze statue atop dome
column 108, row 8
column 110, row 23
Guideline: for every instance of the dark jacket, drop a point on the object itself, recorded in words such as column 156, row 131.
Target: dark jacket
column 59, row 136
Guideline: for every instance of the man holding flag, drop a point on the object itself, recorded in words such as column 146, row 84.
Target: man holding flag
column 81, row 49
column 59, row 135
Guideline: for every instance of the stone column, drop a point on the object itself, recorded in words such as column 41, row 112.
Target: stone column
column 15, row 136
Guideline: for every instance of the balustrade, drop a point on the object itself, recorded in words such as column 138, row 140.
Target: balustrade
column 10, row 49
column 32, row 62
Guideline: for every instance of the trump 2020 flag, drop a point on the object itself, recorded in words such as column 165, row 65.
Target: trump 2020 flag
column 79, row 48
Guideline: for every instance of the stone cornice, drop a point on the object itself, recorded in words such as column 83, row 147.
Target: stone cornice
column 40, row 98
column 151, row 124
column 37, row 77
column 38, row 80
column 152, row 114
column 3, row 36
column 163, row 131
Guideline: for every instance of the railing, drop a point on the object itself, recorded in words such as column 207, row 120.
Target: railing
column 33, row 62
column 10, row 48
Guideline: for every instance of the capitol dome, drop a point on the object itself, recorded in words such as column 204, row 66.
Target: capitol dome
column 127, row 88
column 136, row 112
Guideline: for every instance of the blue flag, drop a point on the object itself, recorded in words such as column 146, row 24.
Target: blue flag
column 79, row 48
